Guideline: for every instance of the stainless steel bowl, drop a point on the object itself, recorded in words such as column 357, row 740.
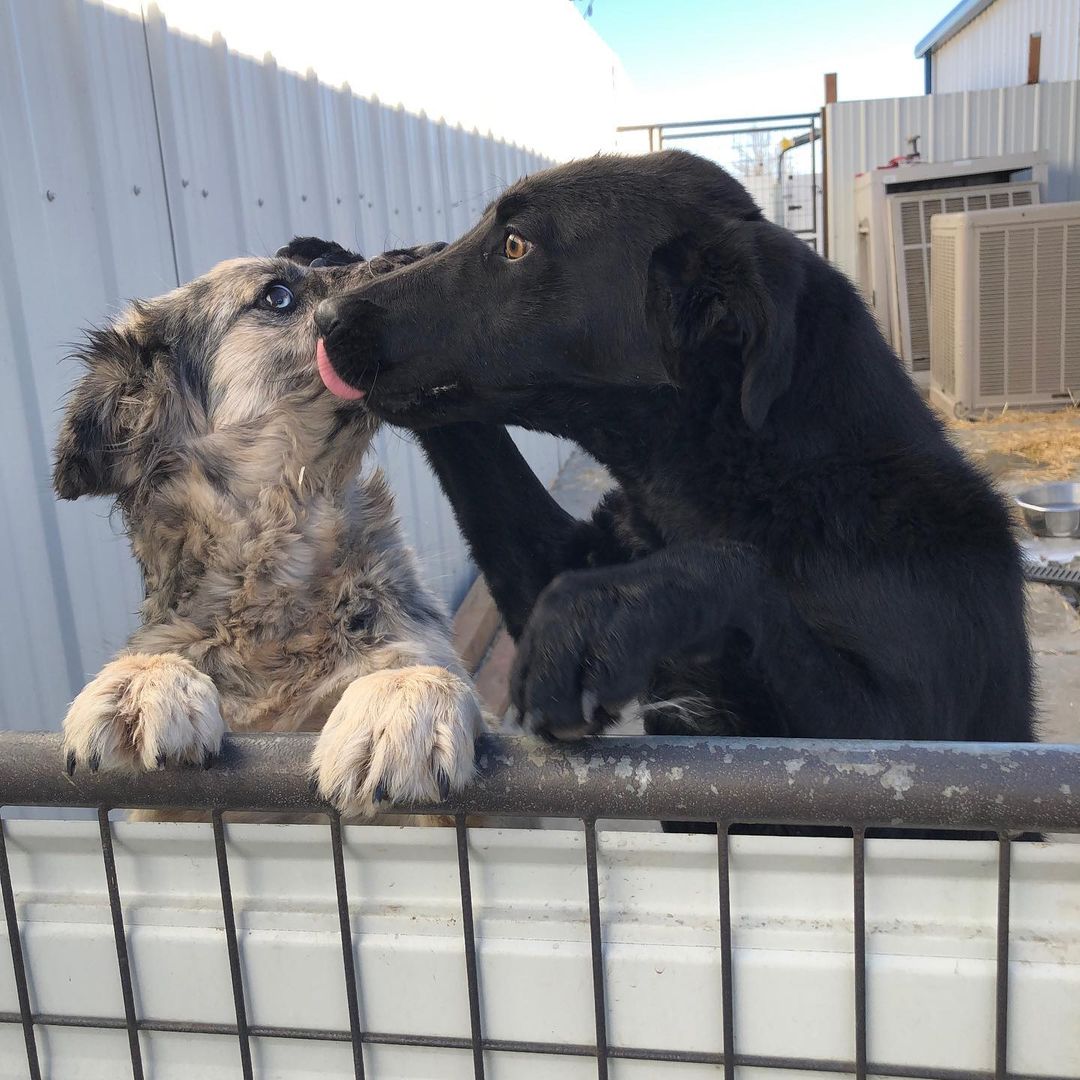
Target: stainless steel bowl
column 1052, row 509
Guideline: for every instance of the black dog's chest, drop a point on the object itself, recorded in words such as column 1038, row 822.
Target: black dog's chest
column 716, row 695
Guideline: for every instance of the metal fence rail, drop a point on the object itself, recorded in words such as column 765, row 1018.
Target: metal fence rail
column 997, row 788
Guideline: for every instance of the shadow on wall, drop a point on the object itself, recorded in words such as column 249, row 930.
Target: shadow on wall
column 133, row 157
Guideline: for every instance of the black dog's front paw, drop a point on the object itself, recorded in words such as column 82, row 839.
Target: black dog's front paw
column 398, row 257
column 589, row 647
column 314, row 251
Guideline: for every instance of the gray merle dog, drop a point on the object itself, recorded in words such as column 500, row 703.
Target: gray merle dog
column 279, row 593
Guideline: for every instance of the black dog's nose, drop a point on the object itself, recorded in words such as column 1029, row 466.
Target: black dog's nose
column 327, row 316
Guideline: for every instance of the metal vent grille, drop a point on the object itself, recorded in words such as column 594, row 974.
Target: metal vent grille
column 1071, row 335
column 1047, row 307
column 943, row 313
column 1028, row 314
column 1019, row 304
column 917, row 277
column 912, row 258
column 991, row 320
column 911, row 225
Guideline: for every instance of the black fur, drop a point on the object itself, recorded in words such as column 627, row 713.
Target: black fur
column 794, row 538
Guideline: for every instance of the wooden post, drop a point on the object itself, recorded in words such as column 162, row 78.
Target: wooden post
column 1034, row 56
column 830, row 99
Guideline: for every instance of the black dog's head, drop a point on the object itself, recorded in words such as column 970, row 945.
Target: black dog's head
column 606, row 272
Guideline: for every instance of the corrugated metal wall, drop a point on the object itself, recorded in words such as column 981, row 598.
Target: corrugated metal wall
column 865, row 134
column 992, row 50
column 133, row 157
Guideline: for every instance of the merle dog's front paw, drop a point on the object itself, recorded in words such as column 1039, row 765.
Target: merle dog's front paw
column 314, row 251
column 143, row 712
column 403, row 735
column 589, row 647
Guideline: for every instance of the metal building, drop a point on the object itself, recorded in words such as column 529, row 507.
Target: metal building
column 985, row 44
column 864, row 135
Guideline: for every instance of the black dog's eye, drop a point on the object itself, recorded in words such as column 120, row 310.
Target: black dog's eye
column 516, row 247
column 277, row 298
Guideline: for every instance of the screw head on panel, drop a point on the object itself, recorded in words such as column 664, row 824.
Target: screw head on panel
column 50, row 195
column 260, row 202
column 137, row 190
column 184, row 182
column 205, row 193
column 303, row 198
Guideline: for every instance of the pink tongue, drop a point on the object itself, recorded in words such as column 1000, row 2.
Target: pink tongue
column 331, row 379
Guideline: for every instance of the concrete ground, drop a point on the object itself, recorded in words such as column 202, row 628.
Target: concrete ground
column 1054, row 619
column 1019, row 451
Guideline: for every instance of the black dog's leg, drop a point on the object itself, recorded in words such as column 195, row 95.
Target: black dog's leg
column 518, row 534
column 596, row 637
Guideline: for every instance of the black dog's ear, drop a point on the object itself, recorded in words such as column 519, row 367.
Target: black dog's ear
column 98, row 425
column 721, row 288
column 313, row 251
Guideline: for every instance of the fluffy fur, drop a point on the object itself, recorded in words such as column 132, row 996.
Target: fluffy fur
column 794, row 549
column 279, row 592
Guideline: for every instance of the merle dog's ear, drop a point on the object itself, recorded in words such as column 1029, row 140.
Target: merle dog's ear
column 98, row 423
column 313, row 251
column 723, row 288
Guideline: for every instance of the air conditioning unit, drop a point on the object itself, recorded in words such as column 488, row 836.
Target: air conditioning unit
column 1005, row 322
column 894, row 208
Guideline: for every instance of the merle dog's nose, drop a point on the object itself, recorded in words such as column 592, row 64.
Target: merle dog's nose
column 327, row 316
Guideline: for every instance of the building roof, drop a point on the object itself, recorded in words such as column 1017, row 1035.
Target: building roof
column 951, row 25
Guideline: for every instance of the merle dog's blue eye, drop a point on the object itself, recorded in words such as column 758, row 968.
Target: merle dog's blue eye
column 278, row 298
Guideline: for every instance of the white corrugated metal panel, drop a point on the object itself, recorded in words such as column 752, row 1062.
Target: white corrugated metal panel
column 474, row 62
column 117, row 180
column 76, row 139
column 863, row 135
column 930, row 917
column 992, row 50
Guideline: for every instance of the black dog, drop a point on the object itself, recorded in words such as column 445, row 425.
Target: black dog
column 795, row 548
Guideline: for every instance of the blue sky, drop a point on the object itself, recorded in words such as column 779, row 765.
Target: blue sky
column 704, row 59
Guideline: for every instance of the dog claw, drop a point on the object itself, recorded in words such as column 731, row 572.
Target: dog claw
column 444, row 786
column 69, row 764
column 208, row 759
column 380, row 793
column 95, row 762
column 161, row 760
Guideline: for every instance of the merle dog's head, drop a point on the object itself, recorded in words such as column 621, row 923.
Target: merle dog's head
column 607, row 272
column 197, row 375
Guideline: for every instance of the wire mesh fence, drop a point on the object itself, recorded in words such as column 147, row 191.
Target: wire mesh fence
column 977, row 789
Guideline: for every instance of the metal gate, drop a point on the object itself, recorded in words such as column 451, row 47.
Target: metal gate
column 996, row 790
column 774, row 157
